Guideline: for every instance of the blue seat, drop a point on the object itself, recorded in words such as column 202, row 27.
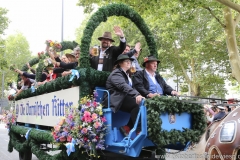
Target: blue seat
column 133, row 144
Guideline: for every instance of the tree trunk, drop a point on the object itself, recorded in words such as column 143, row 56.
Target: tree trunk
column 232, row 44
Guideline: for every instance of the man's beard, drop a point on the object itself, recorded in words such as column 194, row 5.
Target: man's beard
column 105, row 45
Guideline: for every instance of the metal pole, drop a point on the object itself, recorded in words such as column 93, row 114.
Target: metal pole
column 3, row 76
column 62, row 24
column 2, row 83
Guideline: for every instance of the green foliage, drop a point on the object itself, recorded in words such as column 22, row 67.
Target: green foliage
column 68, row 45
column 159, row 105
column 4, row 21
column 35, row 139
column 16, row 50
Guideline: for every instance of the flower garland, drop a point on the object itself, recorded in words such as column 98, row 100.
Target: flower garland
column 158, row 105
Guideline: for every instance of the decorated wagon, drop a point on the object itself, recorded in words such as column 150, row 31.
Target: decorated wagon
column 39, row 112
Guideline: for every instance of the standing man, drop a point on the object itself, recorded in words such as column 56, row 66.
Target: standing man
column 149, row 83
column 134, row 53
column 108, row 53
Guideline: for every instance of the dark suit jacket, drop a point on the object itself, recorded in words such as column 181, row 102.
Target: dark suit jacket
column 111, row 56
column 118, row 87
column 141, row 84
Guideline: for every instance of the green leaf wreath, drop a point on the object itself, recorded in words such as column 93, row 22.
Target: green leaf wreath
column 158, row 105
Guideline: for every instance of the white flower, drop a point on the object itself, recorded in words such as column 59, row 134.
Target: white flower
column 45, row 62
column 89, row 128
column 94, row 140
column 84, row 124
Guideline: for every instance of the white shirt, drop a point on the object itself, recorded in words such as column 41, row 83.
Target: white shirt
column 100, row 66
column 152, row 77
column 102, row 54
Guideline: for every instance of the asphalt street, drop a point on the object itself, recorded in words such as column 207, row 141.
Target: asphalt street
column 4, row 154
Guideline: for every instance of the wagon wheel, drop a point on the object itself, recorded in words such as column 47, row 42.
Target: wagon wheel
column 27, row 155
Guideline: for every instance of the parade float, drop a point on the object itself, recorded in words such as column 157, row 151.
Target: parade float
column 65, row 118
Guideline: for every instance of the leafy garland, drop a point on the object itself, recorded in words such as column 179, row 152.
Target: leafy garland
column 101, row 16
column 158, row 105
column 35, row 139
column 89, row 78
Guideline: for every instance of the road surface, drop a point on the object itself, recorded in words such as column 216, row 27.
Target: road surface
column 4, row 138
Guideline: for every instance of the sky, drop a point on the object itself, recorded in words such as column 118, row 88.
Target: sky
column 41, row 20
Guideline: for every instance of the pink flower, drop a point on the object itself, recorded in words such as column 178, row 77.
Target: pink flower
column 95, row 104
column 94, row 116
column 62, row 139
column 57, row 128
column 88, row 104
column 69, row 138
column 87, row 116
column 84, row 130
column 97, row 124
column 103, row 119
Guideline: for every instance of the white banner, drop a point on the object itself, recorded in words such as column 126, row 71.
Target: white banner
column 46, row 109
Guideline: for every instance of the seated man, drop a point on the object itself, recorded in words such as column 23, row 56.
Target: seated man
column 221, row 113
column 149, row 83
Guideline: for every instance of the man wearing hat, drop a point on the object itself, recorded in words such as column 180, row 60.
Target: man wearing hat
column 108, row 53
column 221, row 113
column 148, row 82
column 122, row 95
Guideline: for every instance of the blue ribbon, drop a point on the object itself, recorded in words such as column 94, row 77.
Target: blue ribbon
column 71, row 146
column 26, row 136
column 32, row 89
column 74, row 73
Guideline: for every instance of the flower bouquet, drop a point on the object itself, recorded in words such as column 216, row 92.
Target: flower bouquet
column 49, row 43
column 54, row 45
column 11, row 97
column 90, row 128
column 57, row 47
column 85, row 126
column 61, row 132
column 10, row 119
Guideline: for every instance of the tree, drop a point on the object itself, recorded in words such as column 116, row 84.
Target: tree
column 3, row 25
column 188, row 40
column 17, row 53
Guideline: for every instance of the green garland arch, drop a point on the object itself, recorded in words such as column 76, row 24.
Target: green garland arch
column 158, row 105
column 101, row 16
